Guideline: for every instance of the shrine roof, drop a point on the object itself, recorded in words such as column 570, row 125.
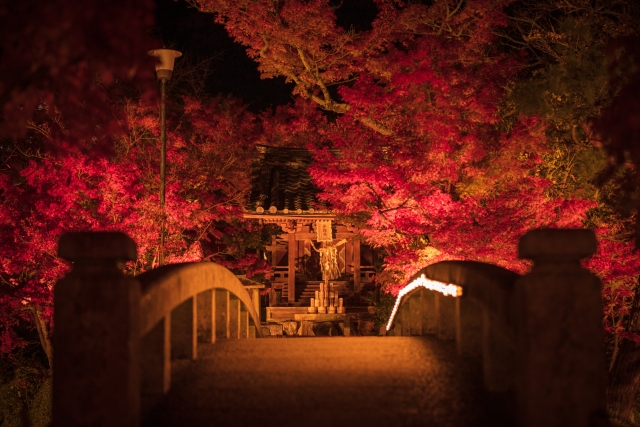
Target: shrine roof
column 281, row 183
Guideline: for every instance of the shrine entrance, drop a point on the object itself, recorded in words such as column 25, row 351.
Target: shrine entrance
column 311, row 266
column 319, row 264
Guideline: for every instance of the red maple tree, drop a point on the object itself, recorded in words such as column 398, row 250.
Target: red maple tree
column 425, row 163
column 74, row 190
column 404, row 119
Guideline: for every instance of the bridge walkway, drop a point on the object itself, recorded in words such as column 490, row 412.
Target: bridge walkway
column 344, row 381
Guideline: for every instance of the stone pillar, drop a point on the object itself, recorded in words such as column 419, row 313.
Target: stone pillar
column 445, row 316
column 428, row 311
column 497, row 355
column 221, row 314
column 415, row 314
column 244, row 322
column 96, row 380
column 155, row 356
column 234, row 317
column 292, row 250
column 205, row 302
column 468, row 328
column 559, row 337
column 184, row 339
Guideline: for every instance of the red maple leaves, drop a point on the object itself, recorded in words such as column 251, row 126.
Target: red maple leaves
column 404, row 121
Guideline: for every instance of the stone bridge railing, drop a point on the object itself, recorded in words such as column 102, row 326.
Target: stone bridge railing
column 539, row 334
column 121, row 333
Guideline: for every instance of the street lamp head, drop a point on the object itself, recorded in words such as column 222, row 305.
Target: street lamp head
column 166, row 59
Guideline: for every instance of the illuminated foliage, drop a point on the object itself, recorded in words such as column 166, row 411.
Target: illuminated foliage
column 443, row 130
column 71, row 190
column 61, row 57
column 460, row 125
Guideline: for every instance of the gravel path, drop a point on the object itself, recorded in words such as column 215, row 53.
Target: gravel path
column 339, row 381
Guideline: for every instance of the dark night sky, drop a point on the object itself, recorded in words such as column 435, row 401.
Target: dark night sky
column 231, row 71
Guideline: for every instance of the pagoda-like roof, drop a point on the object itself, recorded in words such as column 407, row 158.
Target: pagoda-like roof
column 280, row 182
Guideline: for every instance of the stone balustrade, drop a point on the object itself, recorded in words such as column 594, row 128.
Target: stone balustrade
column 539, row 335
column 115, row 336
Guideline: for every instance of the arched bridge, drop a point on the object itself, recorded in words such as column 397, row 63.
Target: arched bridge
column 174, row 347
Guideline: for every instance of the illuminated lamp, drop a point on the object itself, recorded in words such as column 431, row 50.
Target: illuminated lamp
column 166, row 61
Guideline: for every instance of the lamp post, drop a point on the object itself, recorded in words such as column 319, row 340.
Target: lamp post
column 164, row 69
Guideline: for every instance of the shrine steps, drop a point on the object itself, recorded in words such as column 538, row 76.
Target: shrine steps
column 306, row 290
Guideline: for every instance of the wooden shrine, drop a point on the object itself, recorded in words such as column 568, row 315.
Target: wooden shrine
column 283, row 194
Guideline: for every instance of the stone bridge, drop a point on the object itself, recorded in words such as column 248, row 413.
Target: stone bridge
column 509, row 350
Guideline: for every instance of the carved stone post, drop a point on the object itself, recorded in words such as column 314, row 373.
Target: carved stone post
column 559, row 339
column 96, row 380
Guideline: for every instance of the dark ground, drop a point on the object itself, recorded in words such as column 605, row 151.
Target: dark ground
column 339, row 381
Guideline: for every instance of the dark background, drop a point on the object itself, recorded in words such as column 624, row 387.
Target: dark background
column 230, row 71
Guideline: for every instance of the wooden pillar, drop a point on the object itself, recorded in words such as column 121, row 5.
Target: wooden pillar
column 222, row 304
column 274, row 251
column 205, row 302
column 234, row 317
column 292, row 251
column 356, row 266
column 348, row 256
column 300, row 248
column 155, row 357
column 184, row 339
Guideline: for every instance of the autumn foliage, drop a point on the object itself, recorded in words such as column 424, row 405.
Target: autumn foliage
column 70, row 189
column 414, row 120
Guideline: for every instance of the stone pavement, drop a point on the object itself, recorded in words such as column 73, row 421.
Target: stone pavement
column 339, row 381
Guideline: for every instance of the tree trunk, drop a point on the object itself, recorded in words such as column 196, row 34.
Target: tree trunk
column 43, row 333
column 624, row 377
